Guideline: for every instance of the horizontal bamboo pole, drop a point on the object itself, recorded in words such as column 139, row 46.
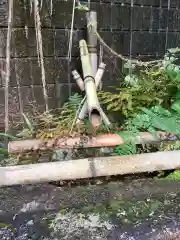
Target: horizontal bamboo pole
column 89, row 168
column 106, row 140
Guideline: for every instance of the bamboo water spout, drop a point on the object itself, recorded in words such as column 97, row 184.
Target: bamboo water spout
column 90, row 87
column 97, row 77
column 84, row 110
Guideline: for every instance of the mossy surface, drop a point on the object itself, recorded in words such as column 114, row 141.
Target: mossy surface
column 126, row 212
column 5, row 225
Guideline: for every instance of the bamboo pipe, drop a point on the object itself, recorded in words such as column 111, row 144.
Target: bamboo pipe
column 99, row 73
column 78, row 79
column 90, row 87
column 97, row 78
column 84, row 109
column 89, row 168
column 106, row 140
column 83, row 114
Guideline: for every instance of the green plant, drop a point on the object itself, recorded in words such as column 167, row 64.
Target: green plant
column 51, row 123
column 147, row 92
column 82, row 7
column 59, row 122
column 170, row 66
column 145, row 87
column 150, row 101
column 155, row 119
column 69, row 110
column 125, row 149
column 174, row 175
column 28, row 129
column 3, row 150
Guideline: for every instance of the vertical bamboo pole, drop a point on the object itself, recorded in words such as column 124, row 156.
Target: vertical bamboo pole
column 92, row 40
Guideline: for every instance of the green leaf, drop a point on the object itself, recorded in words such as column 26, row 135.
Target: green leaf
column 174, row 176
column 82, row 7
column 131, row 80
column 174, row 50
column 177, row 75
column 161, row 111
column 9, row 136
column 128, row 136
column 4, row 151
column 178, row 95
column 129, row 65
column 25, row 133
column 29, row 124
column 176, row 106
column 164, row 124
column 116, row 109
column 125, row 149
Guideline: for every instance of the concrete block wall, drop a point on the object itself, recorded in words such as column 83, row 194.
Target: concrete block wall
column 152, row 25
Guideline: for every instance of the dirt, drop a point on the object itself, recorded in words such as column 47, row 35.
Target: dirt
column 132, row 209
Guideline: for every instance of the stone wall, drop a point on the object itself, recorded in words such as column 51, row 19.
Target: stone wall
column 145, row 23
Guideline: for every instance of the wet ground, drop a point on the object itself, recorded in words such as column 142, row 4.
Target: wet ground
column 132, row 209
